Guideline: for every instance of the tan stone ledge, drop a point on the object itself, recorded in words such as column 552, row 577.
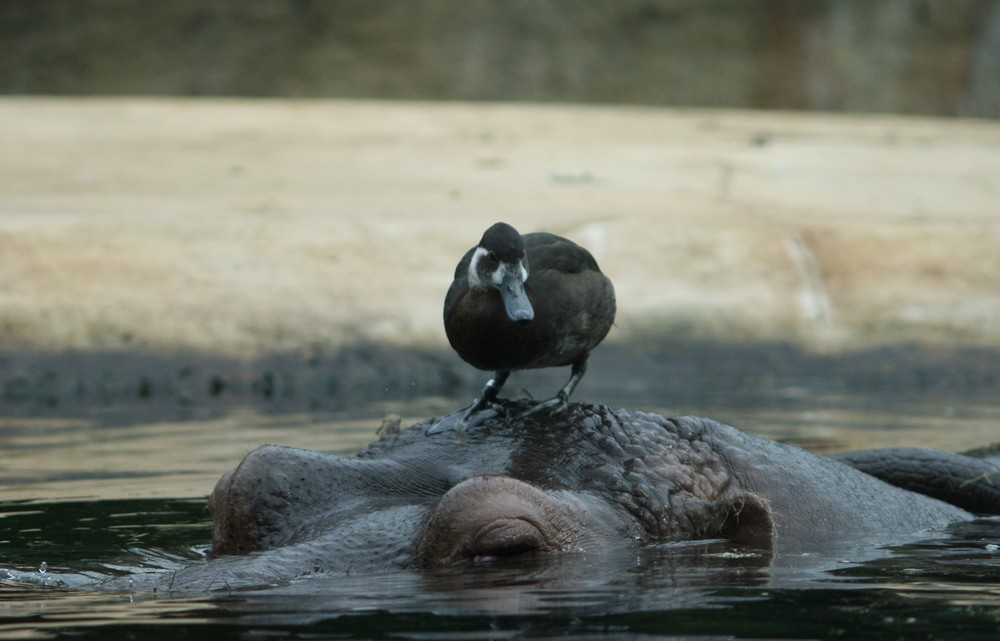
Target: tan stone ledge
column 242, row 227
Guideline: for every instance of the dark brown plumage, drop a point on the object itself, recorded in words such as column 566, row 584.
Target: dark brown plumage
column 527, row 302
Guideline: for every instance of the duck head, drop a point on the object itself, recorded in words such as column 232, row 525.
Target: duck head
column 501, row 263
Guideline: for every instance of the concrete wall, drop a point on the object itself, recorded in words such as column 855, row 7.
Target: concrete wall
column 906, row 56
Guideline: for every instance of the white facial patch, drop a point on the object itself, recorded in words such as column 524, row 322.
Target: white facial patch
column 475, row 282
column 507, row 268
column 495, row 277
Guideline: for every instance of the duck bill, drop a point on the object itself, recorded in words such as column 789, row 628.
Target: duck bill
column 515, row 299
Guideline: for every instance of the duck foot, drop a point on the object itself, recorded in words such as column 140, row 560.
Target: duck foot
column 551, row 407
column 558, row 402
column 464, row 419
column 481, row 410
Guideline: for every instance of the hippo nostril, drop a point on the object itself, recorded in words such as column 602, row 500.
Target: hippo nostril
column 506, row 537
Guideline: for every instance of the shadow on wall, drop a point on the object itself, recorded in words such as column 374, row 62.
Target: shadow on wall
column 908, row 56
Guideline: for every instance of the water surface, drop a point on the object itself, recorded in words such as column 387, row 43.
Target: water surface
column 86, row 496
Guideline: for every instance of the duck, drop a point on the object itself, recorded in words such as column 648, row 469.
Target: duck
column 522, row 302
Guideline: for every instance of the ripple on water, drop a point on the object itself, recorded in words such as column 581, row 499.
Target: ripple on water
column 96, row 509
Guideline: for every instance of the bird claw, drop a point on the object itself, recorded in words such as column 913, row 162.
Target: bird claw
column 464, row 419
column 551, row 406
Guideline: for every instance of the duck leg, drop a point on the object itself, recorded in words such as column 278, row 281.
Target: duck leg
column 558, row 402
column 490, row 392
column 476, row 413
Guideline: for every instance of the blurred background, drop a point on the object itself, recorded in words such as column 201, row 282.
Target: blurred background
column 939, row 57
column 208, row 204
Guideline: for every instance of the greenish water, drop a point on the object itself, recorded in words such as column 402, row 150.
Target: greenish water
column 83, row 496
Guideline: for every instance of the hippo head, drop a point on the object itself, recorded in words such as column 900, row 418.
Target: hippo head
column 592, row 478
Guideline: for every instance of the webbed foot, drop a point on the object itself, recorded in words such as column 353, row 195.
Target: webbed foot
column 465, row 419
column 551, row 406
column 481, row 410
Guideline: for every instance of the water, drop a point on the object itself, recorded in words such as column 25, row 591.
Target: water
column 81, row 495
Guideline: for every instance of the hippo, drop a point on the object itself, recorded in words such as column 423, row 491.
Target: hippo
column 591, row 480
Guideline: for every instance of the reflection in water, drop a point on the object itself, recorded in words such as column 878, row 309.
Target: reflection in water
column 919, row 589
column 75, row 458
column 90, row 500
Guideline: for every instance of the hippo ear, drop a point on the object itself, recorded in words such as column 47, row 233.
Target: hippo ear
column 747, row 518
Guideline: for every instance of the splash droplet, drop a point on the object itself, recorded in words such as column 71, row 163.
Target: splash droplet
column 43, row 568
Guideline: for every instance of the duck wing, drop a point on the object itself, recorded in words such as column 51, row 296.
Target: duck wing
column 548, row 251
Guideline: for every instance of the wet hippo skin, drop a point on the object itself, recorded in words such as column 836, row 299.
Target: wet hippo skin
column 591, row 478
column 595, row 481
